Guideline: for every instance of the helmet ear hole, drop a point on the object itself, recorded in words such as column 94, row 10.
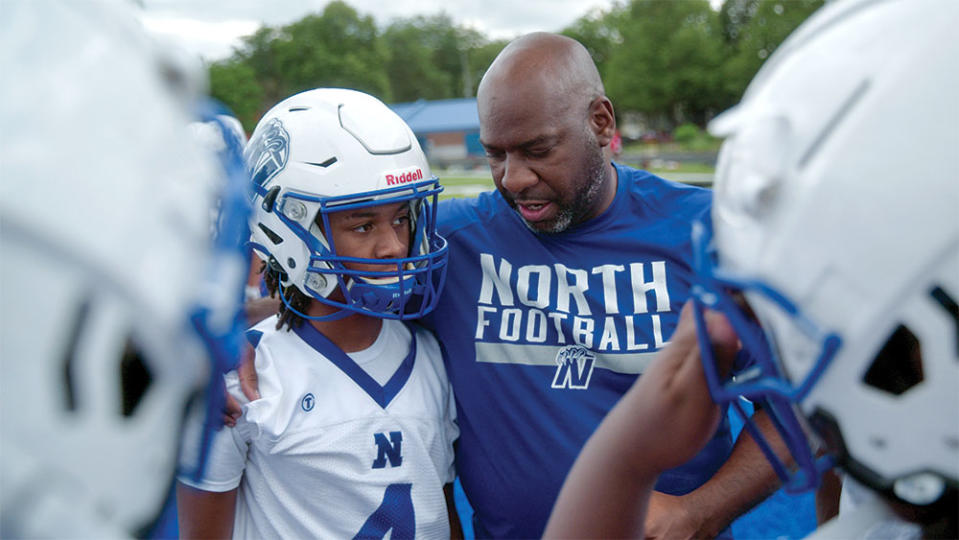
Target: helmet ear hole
column 898, row 366
column 135, row 377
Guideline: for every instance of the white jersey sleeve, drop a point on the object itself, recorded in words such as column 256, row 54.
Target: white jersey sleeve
column 229, row 448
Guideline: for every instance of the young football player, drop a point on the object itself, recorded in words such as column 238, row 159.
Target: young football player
column 835, row 220
column 352, row 434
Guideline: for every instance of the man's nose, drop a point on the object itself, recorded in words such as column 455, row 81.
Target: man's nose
column 517, row 175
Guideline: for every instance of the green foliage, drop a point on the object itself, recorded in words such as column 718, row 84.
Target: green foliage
column 411, row 67
column 432, row 58
column 235, row 84
column 340, row 48
column 753, row 30
column 674, row 62
column 480, row 58
column 668, row 61
column 686, row 133
column 598, row 31
column 689, row 137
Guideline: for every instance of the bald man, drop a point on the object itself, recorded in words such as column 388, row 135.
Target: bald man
column 563, row 285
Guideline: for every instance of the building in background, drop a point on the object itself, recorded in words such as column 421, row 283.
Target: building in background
column 447, row 129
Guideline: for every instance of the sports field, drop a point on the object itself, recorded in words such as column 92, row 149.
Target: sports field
column 463, row 184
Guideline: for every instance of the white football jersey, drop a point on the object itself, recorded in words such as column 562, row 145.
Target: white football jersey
column 339, row 445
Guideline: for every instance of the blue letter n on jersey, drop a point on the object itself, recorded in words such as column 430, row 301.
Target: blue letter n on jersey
column 574, row 367
column 388, row 449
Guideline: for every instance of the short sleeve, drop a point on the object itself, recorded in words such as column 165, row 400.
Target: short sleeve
column 228, row 451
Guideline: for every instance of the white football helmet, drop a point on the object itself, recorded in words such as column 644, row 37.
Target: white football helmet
column 328, row 150
column 837, row 214
column 114, row 294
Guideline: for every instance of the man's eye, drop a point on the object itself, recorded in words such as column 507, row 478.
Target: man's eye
column 538, row 152
column 494, row 154
column 402, row 220
column 362, row 228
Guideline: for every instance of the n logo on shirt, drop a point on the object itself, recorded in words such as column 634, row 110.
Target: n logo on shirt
column 388, row 449
column 575, row 366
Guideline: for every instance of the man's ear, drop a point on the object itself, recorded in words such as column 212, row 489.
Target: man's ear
column 602, row 120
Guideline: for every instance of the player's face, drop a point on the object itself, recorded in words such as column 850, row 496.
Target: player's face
column 376, row 232
column 545, row 160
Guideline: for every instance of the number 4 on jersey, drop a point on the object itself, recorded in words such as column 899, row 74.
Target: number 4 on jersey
column 395, row 512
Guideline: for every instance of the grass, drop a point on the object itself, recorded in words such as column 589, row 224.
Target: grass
column 464, row 186
column 702, row 144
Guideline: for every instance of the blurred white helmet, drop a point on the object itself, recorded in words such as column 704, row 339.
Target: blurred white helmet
column 114, row 294
column 328, row 150
column 837, row 213
column 220, row 133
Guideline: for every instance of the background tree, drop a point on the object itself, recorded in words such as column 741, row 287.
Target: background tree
column 411, row 68
column 598, row 31
column 338, row 48
column 480, row 57
column 433, row 58
column 668, row 61
column 259, row 55
column 753, row 29
column 235, row 84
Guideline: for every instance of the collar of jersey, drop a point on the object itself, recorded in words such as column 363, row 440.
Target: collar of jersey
column 382, row 395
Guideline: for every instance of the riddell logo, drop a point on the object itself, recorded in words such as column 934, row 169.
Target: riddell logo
column 404, row 178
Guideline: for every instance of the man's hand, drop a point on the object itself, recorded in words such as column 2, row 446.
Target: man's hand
column 669, row 517
column 248, row 384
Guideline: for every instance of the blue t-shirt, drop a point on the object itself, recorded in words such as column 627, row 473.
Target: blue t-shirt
column 543, row 333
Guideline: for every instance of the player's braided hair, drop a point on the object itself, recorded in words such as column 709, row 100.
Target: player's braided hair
column 273, row 275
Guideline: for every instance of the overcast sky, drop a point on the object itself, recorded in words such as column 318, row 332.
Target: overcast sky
column 212, row 27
